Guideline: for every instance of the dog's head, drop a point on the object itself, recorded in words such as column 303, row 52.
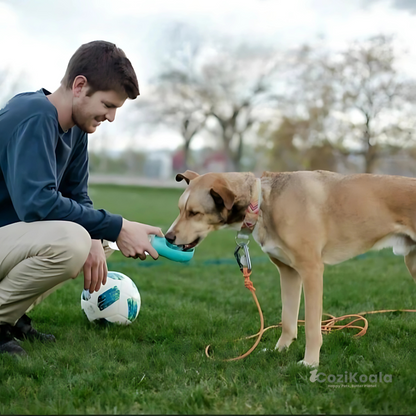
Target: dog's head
column 207, row 204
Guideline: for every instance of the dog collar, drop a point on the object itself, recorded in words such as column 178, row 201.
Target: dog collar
column 253, row 210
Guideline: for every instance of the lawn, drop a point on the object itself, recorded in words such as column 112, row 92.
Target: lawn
column 157, row 365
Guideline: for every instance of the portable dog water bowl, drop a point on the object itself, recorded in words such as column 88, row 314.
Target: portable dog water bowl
column 171, row 251
column 166, row 249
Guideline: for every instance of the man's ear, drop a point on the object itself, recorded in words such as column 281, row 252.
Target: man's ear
column 188, row 176
column 79, row 83
column 223, row 196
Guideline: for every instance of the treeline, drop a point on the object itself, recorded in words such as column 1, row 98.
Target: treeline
column 306, row 108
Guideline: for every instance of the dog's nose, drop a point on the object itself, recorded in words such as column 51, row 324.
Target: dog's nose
column 170, row 236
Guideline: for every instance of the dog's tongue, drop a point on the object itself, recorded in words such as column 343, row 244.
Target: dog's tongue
column 182, row 247
column 192, row 245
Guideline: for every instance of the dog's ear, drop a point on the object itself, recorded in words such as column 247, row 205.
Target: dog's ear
column 223, row 196
column 188, row 176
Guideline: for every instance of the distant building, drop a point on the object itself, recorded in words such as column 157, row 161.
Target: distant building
column 178, row 160
column 399, row 164
column 215, row 162
column 158, row 165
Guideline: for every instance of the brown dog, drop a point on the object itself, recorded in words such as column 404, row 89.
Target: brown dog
column 307, row 219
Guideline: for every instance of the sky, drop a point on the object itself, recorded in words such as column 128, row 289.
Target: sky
column 39, row 37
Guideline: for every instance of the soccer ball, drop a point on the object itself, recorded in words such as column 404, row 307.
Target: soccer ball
column 118, row 301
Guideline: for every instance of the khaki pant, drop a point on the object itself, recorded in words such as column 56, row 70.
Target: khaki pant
column 35, row 259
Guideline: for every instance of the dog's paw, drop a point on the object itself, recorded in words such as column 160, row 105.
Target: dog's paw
column 284, row 343
column 308, row 365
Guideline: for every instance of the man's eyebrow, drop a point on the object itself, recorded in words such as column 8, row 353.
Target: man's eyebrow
column 109, row 105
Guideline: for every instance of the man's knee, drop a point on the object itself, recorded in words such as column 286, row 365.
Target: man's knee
column 72, row 245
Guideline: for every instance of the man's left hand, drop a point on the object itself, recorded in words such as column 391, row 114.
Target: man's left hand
column 95, row 267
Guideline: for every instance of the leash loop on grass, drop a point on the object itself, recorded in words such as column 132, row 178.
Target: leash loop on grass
column 327, row 325
column 249, row 285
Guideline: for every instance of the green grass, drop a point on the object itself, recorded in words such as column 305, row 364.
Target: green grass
column 157, row 365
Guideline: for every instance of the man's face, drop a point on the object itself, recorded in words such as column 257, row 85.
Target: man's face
column 88, row 112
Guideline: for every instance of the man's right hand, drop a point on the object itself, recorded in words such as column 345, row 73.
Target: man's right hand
column 133, row 239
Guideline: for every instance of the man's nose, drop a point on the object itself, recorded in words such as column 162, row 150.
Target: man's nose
column 111, row 115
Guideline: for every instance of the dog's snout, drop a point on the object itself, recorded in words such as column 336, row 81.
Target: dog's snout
column 170, row 236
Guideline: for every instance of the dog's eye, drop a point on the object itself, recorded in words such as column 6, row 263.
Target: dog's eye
column 192, row 213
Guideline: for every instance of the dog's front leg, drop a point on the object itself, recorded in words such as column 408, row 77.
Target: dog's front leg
column 312, row 280
column 410, row 261
column 291, row 288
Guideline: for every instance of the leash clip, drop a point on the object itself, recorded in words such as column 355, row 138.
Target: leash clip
column 244, row 259
column 242, row 238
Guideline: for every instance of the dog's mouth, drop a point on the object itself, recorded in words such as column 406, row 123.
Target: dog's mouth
column 190, row 246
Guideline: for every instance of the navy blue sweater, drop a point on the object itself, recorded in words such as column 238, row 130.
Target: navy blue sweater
column 44, row 170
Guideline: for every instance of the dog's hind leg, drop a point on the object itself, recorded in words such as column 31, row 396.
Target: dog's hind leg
column 291, row 288
column 410, row 261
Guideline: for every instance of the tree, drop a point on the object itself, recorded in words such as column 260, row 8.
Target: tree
column 374, row 98
column 174, row 99
column 180, row 101
column 306, row 136
column 220, row 90
column 348, row 102
column 240, row 91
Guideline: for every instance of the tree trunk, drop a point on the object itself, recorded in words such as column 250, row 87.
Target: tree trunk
column 186, row 152
column 371, row 152
column 370, row 159
column 239, row 153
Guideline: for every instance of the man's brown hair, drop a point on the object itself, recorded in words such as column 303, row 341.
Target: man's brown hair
column 106, row 68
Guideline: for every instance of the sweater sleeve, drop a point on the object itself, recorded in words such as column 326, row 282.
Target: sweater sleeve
column 30, row 175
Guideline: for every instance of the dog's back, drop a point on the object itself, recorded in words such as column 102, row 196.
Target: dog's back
column 345, row 215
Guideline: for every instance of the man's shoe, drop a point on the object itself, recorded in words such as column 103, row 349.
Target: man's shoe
column 7, row 342
column 24, row 330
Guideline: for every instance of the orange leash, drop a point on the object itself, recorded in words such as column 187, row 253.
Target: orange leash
column 249, row 285
column 327, row 326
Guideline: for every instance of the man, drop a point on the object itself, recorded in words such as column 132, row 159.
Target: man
column 49, row 230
